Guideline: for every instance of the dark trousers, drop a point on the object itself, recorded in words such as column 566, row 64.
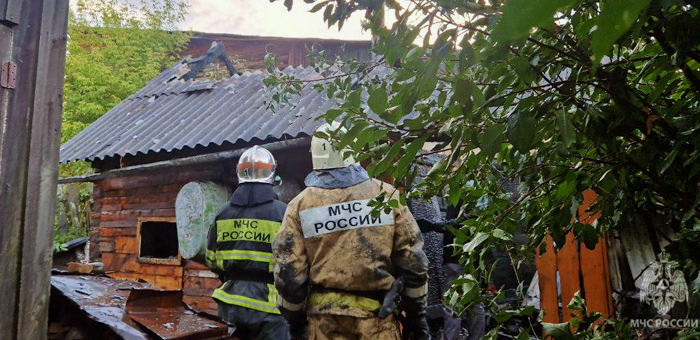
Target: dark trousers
column 251, row 324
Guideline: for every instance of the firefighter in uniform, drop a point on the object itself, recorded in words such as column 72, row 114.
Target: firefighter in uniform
column 337, row 262
column 239, row 250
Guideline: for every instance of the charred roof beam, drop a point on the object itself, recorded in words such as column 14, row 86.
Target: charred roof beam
column 216, row 51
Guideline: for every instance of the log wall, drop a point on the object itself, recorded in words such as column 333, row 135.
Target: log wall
column 120, row 202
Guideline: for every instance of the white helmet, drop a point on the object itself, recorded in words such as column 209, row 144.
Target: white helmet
column 323, row 156
column 256, row 165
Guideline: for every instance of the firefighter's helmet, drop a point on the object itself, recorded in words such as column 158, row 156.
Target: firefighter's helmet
column 256, row 165
column 323, row 155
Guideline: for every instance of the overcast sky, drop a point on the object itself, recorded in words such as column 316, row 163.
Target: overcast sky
column 260, row 17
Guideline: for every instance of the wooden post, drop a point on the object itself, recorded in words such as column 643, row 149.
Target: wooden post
column 547, row 271
column 30, row 118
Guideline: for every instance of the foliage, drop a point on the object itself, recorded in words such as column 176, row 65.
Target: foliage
column 587, row 325
column 114, row 48
column 61, row 237
column 565, row 95
column 72, row 218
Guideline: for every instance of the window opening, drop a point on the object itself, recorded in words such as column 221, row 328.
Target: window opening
column 158, row 242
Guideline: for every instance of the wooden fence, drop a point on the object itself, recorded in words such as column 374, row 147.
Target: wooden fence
column 577, row 268
column 32, row 55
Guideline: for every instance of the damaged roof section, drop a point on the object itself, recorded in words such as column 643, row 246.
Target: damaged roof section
column 175, row 112
column 129, row 310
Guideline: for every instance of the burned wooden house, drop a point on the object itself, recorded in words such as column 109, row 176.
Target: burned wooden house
column 164, row 162
column 250, row 51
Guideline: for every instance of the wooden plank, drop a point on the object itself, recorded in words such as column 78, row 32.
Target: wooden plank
column 10, row 12
column 638, row 250
column 125, row 276
column 168, row 282
column 162, row 270
column 107, row 246
column 547, row 274
column 125, row 244
column 586, row 216
column 114, row 262
column 112, row 232
column 77, row 267
column 155, row 180
column 201, row 273
column 195, row 265
column 127, row 224
column 201, row 304
column 568, row 266
column 30, row 118
column 614, row 258
column 594, row 263
column 199, row 286
column 596, row 278
column 607, row 281
column 13, row 172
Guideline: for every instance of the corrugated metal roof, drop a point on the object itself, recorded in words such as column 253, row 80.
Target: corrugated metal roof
column 171, row 114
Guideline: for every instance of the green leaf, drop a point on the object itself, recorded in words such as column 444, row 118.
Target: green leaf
column 503, row 316
column 558, row 331
column 327, row 14
column 455, row 191
column 524, row 335
column 520, row 16
column 668, row 161
column 331, row 115
column 478, row 239
column 501, row 234
column 616, row 17
column 317, row 7
column 463, row 91
column 567, row 187
column 409, row 155
column 466, row 55
column 523, row 69
column 587, row 234
column 351, row 134
column 354, row 99
column 566, row 129
column 378, row 100
column 388, row 159
column 491, row 140
column 438, row 166
column 521, row 130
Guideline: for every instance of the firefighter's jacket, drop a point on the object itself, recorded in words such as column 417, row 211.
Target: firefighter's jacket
column 239, row 247
column 334, row 257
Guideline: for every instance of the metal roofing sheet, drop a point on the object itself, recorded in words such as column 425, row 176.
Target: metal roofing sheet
column 171, row 114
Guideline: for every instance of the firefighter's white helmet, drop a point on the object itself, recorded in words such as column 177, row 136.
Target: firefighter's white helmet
column 256, row 165
column 323, row 155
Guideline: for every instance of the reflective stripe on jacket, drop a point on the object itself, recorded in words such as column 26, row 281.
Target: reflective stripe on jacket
column 239, row 248
column 329, row 240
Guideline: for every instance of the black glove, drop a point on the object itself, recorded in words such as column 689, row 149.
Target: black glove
column 416, row 326
column 297, row 323
column 391, row 299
